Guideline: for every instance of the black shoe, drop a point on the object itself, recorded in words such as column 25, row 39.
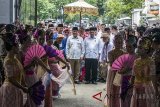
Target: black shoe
column 87, row 82
column 93, row 82
column 76, row 82
column 103, row 81
column 99, row 80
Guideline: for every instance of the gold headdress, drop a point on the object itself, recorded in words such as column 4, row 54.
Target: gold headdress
column 146, row 43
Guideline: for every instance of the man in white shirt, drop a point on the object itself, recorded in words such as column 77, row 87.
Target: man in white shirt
column 75, row 52
column 92, row 52
column 107, row 47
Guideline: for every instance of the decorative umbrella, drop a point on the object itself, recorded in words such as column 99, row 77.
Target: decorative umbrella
column 80, row 7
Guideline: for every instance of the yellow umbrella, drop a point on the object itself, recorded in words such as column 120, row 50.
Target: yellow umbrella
column 80, row 7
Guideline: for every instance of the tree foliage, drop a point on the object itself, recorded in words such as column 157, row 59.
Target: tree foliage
column 52, row 8
column 27, row 11
column 116, row 8
column 45, row 9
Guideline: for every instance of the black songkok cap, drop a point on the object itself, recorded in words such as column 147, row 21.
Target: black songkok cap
column 93, row 29
column 106, row 29
column 75, row 28
column 86, row 30
column 50, row 25
column 60, row 25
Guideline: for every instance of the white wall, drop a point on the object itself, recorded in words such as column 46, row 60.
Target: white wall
column 156, row 1
column 147, row 4
column 136, row 16
column 7, row 11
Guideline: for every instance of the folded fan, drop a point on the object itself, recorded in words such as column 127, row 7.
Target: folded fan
column 37, row 92
column 122, row 61
column 50, row 51
column 125, row 60
column 33, row 51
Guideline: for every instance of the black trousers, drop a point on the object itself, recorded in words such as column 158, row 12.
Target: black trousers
column 91, row 69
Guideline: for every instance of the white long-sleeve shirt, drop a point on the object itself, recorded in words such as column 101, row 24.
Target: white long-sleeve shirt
column 112, row 36
column 99, row 35
column 92, row 47
column 104, row 53
column 74, row 47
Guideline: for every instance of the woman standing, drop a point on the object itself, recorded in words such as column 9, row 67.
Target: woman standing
column 50, row 52
column 111, row 99
column 30, row 71
column 143, row 90
column 55, row 67
column 10, row 92
column 156, row 58
column 126, row 73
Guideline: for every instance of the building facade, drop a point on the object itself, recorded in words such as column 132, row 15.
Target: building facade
column 9, row 11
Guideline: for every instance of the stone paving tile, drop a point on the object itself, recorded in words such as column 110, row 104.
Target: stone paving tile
column 83, row 98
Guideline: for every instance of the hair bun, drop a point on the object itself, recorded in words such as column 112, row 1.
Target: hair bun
column 156, row 37
column 11, row 39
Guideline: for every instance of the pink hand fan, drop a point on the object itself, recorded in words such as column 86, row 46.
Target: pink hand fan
column 33, row 51
column 60, row 53
column 50, row 52
column 122, row 61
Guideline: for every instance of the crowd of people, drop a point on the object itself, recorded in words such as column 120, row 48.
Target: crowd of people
column 133, row 73
column 126, row 60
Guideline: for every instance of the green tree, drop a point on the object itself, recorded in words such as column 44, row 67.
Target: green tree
column 116, row 8
column 45, row 9
column 27, row 11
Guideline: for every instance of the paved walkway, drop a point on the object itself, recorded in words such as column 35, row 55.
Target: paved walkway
column 83, row 98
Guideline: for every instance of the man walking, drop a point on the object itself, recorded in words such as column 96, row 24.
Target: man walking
column 75, row 52
column 92, row 52
column 107, row 47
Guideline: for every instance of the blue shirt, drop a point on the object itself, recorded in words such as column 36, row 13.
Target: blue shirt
column 64, row 42
column 55, row 35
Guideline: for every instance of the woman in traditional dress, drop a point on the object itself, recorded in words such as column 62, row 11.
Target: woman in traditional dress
column 42, row 72
column 112, row 98
column 143, row 89
column 11, row 91
column 55, row 67
column 126, row 73
column 41, row 69
column 30, row 71
column 156, row 58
